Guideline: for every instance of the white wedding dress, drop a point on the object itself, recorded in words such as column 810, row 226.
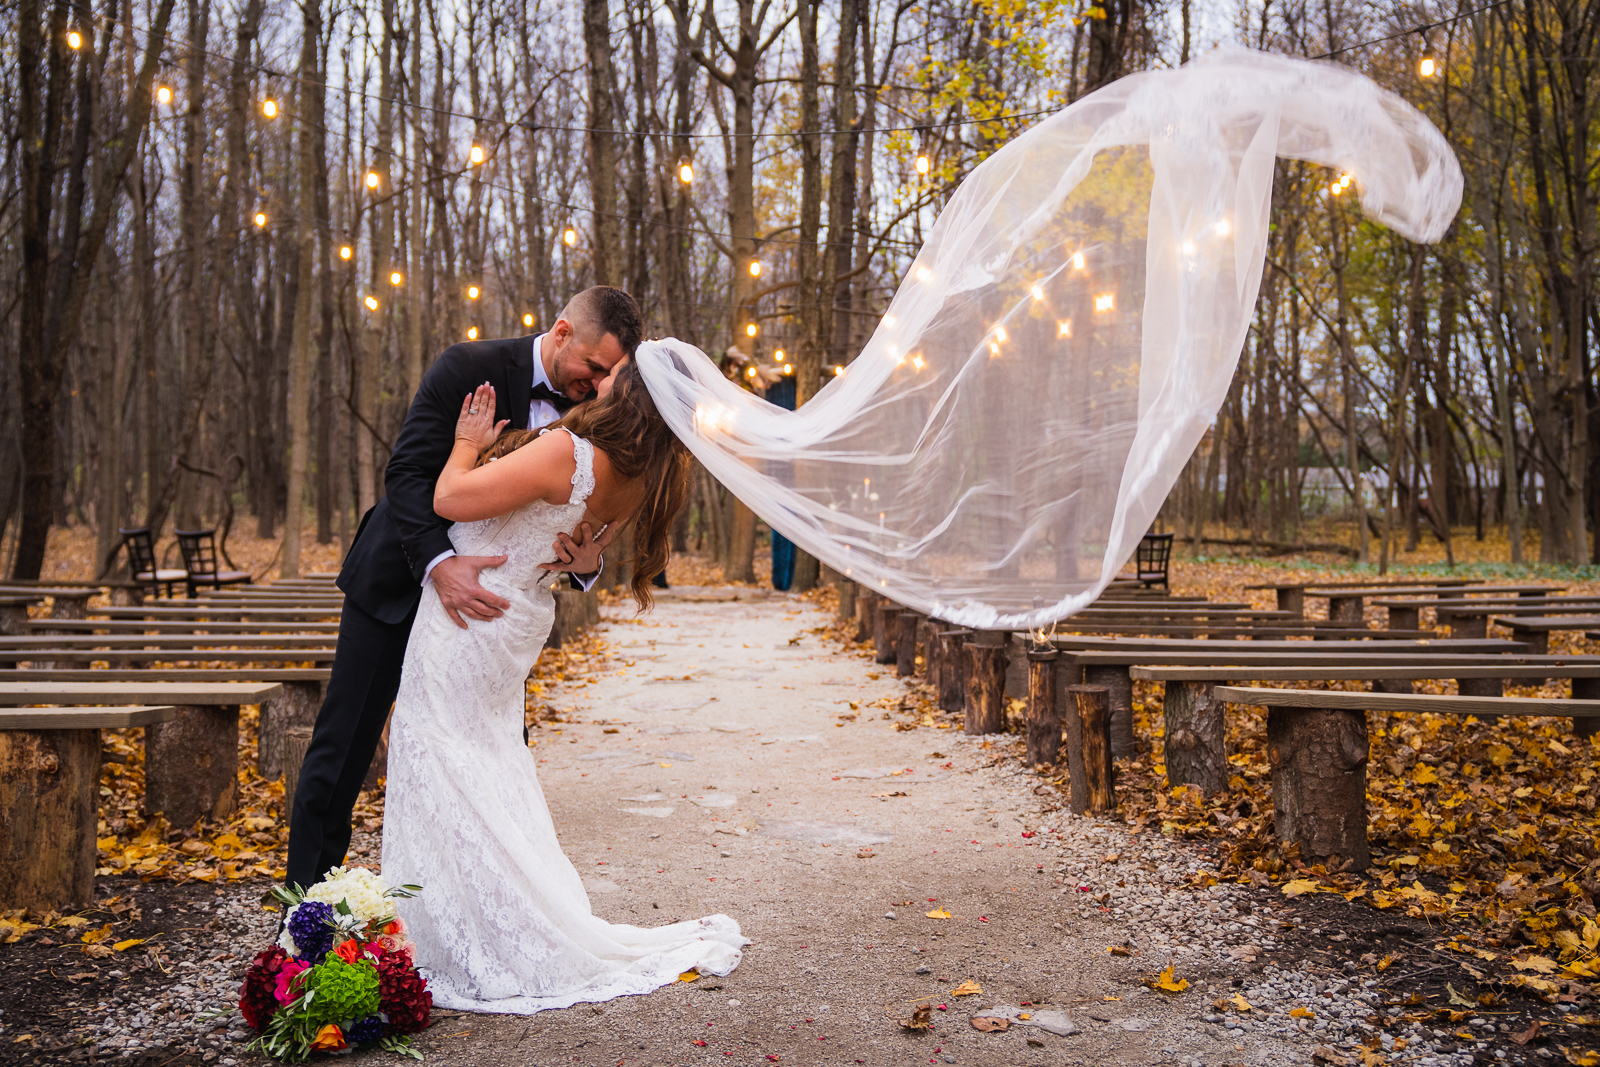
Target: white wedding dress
column 503, row 923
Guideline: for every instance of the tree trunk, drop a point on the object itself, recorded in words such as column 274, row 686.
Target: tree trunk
column 606, row 241
column 1319, row 784
column 306, row 246
column 1044, row 723
column 953, row 669
column 192, row 765
column 1196, row 737
column 905, row 657
column 1089, row 769
column 49, row 787
column 885, row 631
column 986, row 688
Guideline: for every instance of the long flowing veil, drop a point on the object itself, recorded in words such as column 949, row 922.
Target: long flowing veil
column 1060, row 343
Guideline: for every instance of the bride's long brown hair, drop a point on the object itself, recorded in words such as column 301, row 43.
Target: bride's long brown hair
column 625, row 425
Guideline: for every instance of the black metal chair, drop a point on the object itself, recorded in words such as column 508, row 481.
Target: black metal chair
column 141, row 548
column 199, row 549
column 1152, row 559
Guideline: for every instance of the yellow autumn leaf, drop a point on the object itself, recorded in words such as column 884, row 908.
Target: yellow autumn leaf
column 1167, row 983
column 1423, row 774
column 1302, row 1013
column 91, row 937
column 1373, row 1058
column 1298, row 886
column 1499, row 755
column 1241, row 1003
column 938, row 913
column 968, row 988
column 1582, row 1058
column 1385, row 963
column 123, row 946
column 1119, row 950
column 689, row 976
column 1542, row 964
column 72, row 920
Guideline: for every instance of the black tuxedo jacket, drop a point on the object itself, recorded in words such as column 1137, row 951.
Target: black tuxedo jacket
column 401, row 535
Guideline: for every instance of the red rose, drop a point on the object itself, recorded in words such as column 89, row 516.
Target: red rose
column 403, row 994
column 349, row 951
column 257, row 1002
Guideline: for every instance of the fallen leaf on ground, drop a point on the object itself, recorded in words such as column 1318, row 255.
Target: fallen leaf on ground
column 969, row 988
column 921, row 1018
column 1118, row 950
column 1302, row 1013
column 1241, row 1003
column 1298, row 886
column 123, row 946
column 689, row 976
column 1167, row 983
column 990, row 1024
column 1527, row 1035
column 92, row 936
column 938, row 913
column 1324, row 1054
column 1581, row 1057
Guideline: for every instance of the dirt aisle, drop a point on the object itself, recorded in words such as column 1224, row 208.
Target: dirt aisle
column 710, row 770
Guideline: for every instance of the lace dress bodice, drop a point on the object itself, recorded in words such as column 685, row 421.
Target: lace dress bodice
column 503, row 923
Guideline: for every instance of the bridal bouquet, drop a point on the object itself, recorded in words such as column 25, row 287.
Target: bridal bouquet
column 341, row 976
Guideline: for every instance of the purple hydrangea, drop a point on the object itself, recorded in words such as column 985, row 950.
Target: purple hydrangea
column 313, row 937
column 365, row 1031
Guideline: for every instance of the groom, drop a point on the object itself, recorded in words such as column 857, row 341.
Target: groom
column 402, row 545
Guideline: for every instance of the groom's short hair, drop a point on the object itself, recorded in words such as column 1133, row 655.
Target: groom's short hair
column 603, row 309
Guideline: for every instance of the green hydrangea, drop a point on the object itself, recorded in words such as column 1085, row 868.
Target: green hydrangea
column 343, row 991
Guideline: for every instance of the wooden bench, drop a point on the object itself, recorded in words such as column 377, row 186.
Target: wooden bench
column 1408, row 613
column 1535, row 632
column 191, row 758
column 175, row 642
column 49, row 798
column 175, row 626
column 262, row 614
column 14, row 614
column 1291, row 596
column 1472, row 619
column 1350, row 603
column 1318, row 745
column 274, row 654
column 67, row 602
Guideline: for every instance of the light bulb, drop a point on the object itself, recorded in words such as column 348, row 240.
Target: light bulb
column 1188, row 248
column 1077, row 261
column 1345, row 180
column 1105, row 302
column 923, row 165
column 1427, row 67
column 472, row 292
column 261, row 219
column 994, row 350
column 1224, row 227
column 750, row 330
column 527, row 320
column 838, row 370
column 74, row 39
column 788, row 368
column 372, row 179
column 924, row 274
column 345, row 252
column 372, row 303
column 918, row 362
column 1063, row 327
column 751, row 373
column 569, row 238
column 755, row 268
column 472, row 333
column 777, row 357
column 164, row 95
column 1336, row 188
column 476, row 154
column 395, row 278
column 269, row 108
column 1000, row 334
column 1038, row 292
column 685, row 173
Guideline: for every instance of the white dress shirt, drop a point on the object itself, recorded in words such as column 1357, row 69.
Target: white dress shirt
column 541, row 413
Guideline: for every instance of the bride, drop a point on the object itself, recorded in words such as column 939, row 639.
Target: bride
column 504, row 923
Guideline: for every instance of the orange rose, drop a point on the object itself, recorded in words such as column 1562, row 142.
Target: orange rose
column 397, row 928
column 329, row 1039
column 350, row 951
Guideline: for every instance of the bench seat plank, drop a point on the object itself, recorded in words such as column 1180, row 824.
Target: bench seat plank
column 166, row 655
column 1333, row 673
column 195, row 693
column 95, row 718
column 172, row 674
column 1408, row 702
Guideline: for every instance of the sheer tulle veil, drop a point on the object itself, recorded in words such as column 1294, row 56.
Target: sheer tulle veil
column 1061, row 342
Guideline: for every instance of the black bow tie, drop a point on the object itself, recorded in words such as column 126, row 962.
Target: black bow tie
column 561, row 403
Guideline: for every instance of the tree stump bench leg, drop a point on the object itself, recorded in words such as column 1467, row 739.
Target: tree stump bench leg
column 1119, row 691
column 953, row 669
column 986, row 688
column 191, row 765
column 49, row 786
column 866, row 613
column 847, row 600
column 1347, row 609
column 298, row 706
column 1393, row 685
column 1407, row 618
column 905, row 649
column 1538, row 641
column 1482, row 687
column 885, row 632
column 1469, row 626
column 296, row 740
column 1089, row 770
column 1196, row 737
column 1044, row 722
column 1586, row 689
column 1319, row 783
column 1292, row 600
column 928, row 641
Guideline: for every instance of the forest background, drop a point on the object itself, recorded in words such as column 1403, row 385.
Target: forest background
column 235, row 234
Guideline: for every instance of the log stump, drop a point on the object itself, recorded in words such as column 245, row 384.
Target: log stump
column 885, row 631
column 192, row 765
column 953, row 669
column 1406, row 618
column 1044, row 721
column 986, row 687
column 1347, row 610
column 71, row 605
column 928, row 639
column 576, row 610
column 866, row 613
column 298, row 706
column 1119, row 691
column 1465, row 626
column 296, row 739
column 1196, row 737
column 1089, row 771
column 49, row 785
column 1393, row 685
column 1319, row 784
column 905, row 654
column 1586, row 689
column 847, row 599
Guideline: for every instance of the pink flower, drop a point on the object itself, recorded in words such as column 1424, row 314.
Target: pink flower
column 285, row 990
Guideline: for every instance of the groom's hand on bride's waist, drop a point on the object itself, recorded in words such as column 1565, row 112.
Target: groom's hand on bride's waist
column 456, row 579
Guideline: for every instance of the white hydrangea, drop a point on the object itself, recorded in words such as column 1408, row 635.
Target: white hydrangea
column 360, row 889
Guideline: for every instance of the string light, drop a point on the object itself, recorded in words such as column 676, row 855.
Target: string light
column 1336, row 188
column 269, row 108
column 1063, row 327
column 163, row 95
column 345, row 252
column 994, row 350
column 923, row 165
column 395, row 278
column 755, row 268
column 1000, row 334
column 923, row 274
column 372, row 303
column 838, row 370
column 527, row 320
column 372, row 179
column 685, row 173
column 750, row 330
column 472, row 292
column 1037, row 291
column 74, row 39
column 1224, row 227
column 1427, row 67
column 751, row 373
column 476, row 154
column 918, row 362
column 1105, row 302
column 261, row 219
column 472, row 333
column 1188, row 248
column 569, row 238
column 777, row 357
column 788, row 368
column 1077, row 261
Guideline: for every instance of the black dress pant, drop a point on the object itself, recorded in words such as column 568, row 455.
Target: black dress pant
column 361, row 690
